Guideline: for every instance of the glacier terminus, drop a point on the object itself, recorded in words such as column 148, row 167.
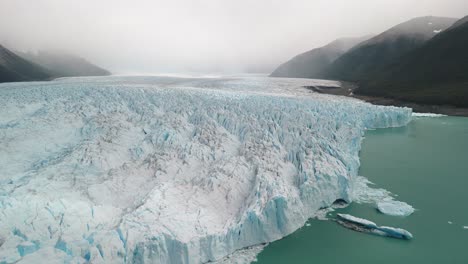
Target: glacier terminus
column 171, row 170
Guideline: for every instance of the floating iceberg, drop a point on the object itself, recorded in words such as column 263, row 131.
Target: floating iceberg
column 395, row 232
column 381, row 198
column 395, row 208
column 359, row 221
column 427, row 115
column 366, row 226
column 170, row 170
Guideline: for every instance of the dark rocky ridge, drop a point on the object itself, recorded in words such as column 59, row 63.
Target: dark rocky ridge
column 435, row 73
column 21, row 67
column 369, row 57
column 14, row 68
column 61, row 64
column 312, row 64
column 422, row 63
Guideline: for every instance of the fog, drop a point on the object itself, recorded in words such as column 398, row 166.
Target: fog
column 170, row 36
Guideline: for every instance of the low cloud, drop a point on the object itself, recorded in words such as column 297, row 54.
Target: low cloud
column 206, row 36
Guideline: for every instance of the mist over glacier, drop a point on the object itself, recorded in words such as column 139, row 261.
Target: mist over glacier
column 159, row 169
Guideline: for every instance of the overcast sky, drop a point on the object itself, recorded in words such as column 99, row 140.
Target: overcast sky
column 143, row 36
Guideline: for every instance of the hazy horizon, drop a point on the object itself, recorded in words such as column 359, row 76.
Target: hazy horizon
column 206, row 36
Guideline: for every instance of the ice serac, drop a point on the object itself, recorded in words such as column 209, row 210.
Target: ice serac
column 145, row 170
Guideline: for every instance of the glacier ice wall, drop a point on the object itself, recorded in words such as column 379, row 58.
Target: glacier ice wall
column 185, row 172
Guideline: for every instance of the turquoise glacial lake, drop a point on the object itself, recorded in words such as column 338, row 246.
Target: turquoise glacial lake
column 426, row 165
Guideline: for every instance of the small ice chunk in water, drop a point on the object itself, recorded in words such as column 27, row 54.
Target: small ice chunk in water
column 427, row 115
column 465, row 227
column 395, row 232
column 356, row 220
column 383, row 199
column 395, row 208
column 366, row 226
column 450, row 222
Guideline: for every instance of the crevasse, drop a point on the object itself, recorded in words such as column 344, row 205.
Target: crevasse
column 170, row 170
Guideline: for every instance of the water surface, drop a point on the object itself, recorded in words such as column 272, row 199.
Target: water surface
column 426, row 165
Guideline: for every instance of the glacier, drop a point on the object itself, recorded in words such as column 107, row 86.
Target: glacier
column 170, row 170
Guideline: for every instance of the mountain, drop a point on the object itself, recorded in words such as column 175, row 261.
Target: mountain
column 435, row 73
column 61, row 64
column 14, row 68
column 312, row 64
column 18, row 67
column 373, row 55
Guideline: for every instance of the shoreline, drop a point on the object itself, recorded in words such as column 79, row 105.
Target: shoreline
column 347, row 90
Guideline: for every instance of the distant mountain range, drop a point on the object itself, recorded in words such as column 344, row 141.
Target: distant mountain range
column 61, row 64
column 18, row 67
column 372, row 55
column 313, row 63
column 435, row 73
column 14, row 68
column 424, row 60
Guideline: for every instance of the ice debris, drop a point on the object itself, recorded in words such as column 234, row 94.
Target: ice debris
column 381, row 198
column 243, row 256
